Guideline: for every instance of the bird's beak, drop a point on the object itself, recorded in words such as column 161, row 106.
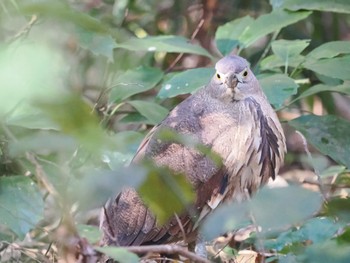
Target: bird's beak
column 232, row 81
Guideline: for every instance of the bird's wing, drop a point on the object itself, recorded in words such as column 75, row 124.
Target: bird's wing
column 140, row 153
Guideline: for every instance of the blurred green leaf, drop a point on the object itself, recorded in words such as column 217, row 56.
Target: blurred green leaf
column 128, row 141
column 58, row 9
column 320, row 229
column 339, row 208
column 115, row 160
column 273, row 62
column 76, row 118
column 276, row 3
column 97, row 186
column 21, row 204
column 97, row 43
column 227, row 35
column 340, row 6
column 330, row 49
column 166, row 193
column 344, row 88
column 42, row 142
column 329, row 134
column 225, row 218
column 316, row 230
column 152, row 111
column 332, row 67
column 302, row 203
column 133, row 82
column 120, row 9
column 278, row 88
column 245, row 31
column 344, row 238
column 266, row 24
column 122, row 255
column 186, row 82
column 288, row 49
column 19, row 78
column 93, row 234
column 30, row 117
column 169, row 44
column 136, row 117
column 333, row 170
column 327, row 252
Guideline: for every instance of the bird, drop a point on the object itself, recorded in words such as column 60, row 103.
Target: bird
column 232, row 117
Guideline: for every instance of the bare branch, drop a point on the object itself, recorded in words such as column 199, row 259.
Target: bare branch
column 167, row 249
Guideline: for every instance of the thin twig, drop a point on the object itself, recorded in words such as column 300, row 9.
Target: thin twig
column 317, row 172
column 258, row 235
column 267, row 48
column 25, row 29
column 181, row 227
column 167, row 249
column 40, row 174
column 194, row 34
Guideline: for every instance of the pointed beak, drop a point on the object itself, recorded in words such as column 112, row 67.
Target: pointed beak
column 232, row 81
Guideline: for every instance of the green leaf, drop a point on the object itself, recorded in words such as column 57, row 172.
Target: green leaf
column 330, row 50
column 152, row 111
column 166, row 193
column 316, row 230
column 76, row 118
column 288, row 49
column 339, row 208
column 43, row 141
column 339, row 6
column 30, row 117
column 333, row 67
column 344, row 238
column 45, row 60
column 93, row 234
column 333, row 170
column 135, row 117
column 186, row 82
column 278, row 88
column 245, row 31
column 302, row 203
column 119, row 254
column 169, row 43
column 266, row 24
column 56, row 9
column 274, row 62
column 115, row 160
column 329, row 134
column 327, row 252
column 128, row 141
column 225, row 218
column 97, row 186
column 276, row 4
column 227, row 35
column 97, row 43
column 134, row 81
column 319, row 229
column 344, row 88
column 21, row 204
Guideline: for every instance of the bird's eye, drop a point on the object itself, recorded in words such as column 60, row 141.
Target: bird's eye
column 218, row 75
column 245, row 73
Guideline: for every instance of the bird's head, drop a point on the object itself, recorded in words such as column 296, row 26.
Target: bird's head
column 233, row 79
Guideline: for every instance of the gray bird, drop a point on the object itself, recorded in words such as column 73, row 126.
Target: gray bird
column 231, row 116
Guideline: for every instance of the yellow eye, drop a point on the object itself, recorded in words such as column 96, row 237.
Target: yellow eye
column 245, row 73
column 218, row 75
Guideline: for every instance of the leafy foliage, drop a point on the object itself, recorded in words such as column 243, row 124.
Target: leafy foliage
column 78, row 76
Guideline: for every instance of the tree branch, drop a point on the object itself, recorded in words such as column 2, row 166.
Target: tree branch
column 167, row 249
